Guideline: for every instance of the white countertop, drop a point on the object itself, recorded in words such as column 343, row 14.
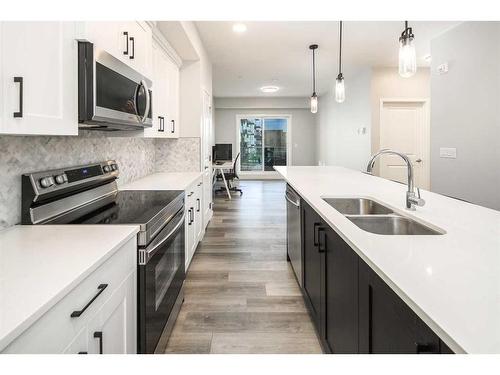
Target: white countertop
column 40, row 264
column 164, row 181
column 451, row 281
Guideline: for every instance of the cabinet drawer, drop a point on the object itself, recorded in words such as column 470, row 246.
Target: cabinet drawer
column 56, row 329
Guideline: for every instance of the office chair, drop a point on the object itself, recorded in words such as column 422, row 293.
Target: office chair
column 230, row 177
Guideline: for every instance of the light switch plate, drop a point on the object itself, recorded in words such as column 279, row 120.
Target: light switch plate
column 448, row 152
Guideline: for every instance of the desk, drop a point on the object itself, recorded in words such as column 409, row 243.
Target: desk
column 221, row 167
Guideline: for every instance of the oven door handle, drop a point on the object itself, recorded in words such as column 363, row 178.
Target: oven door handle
column 149, row 253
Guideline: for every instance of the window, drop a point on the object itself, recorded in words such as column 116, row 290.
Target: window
column 263, row 142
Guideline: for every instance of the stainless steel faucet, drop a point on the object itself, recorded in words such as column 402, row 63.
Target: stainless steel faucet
column 412, row 199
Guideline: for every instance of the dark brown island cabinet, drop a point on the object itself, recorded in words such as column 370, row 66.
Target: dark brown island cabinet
column 352, row 308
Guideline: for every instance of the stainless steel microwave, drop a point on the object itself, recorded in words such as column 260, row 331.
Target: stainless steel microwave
column 111, row 94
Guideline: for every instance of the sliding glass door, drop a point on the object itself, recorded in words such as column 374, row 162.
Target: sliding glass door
column 263, row 142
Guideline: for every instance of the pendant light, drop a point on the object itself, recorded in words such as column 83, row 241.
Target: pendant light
column 407, row 55
column 314, row 97
column 339, row 82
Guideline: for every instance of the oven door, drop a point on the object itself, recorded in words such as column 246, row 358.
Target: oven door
column 161, row 275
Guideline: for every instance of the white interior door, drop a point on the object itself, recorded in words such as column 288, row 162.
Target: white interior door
column 404, row 127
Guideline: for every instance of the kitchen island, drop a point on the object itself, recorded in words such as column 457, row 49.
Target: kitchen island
column 451, row 281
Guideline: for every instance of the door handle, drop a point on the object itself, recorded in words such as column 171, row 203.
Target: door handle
column 173, row 126
column 315, row 239
column 125, row 33
column 98, row 335
column 321, row 240
column 161, row 125
column 21, row 84
column 190, row 216
column 77, row 313
column 418, row 161
column 148, row 100
column 132, row 40
column 198, row 205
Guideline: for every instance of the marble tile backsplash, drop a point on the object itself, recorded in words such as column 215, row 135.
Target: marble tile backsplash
column 178, row 155
column 137, row 157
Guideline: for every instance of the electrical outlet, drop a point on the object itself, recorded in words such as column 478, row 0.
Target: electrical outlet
column 448, row 152
column 442, row 68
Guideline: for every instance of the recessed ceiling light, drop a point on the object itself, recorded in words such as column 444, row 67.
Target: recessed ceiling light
column 239, row 27
column 269, row 89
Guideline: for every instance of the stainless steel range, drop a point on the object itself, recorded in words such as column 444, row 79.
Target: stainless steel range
column 89, row 195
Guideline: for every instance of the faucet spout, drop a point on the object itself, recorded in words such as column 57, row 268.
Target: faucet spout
column 411, row 197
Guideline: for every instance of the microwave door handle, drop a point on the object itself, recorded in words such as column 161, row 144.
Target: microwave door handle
column 148, row 101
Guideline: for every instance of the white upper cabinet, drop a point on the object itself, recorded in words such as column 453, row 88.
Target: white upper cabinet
column 38, row 77
column 165, row 95
column 127, row 41
column 173, row 99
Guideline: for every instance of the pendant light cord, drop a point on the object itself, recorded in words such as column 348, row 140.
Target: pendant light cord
column 314, row 73
column 340, row 50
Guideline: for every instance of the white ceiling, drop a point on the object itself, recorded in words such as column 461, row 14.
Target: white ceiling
column 277, row 53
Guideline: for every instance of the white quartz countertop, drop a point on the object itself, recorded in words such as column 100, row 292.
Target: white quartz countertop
column 164, row 181
column 40, row 264
column 451, row 281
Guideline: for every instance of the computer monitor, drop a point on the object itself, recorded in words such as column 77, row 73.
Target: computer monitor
column 222, row 152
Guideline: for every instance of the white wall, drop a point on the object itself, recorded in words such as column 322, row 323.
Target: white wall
column 338, row 125
column 303, row 122
column 387, row 83
column 465, row 113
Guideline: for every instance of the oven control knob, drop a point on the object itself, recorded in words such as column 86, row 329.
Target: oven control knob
column 61, row 179
column 114, row 166
column 46, row 182
column 106, row 169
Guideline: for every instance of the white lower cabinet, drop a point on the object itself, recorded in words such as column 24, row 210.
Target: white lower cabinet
column 194, row 218
column 112, row 331
column 105, row 301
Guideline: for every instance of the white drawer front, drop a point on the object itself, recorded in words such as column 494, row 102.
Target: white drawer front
column 56, row 329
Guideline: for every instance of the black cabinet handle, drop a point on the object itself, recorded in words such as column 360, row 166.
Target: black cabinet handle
column 98, row 335
column 20, row 81
column 321, row 240
column 125, row 33
column 161, row 127
column 315, row 239
column 198, row 205
column 132, row 40
column 173, row 125
column 83, row 353
column 77, row 313
column 192, row 214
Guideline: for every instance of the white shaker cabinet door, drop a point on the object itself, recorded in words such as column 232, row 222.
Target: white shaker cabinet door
column 173, row 99
column 114, row 328
column 39, row 78
column 160, row 128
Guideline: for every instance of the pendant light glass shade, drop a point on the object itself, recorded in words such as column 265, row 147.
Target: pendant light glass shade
column 314, row 103
column 314, row 97
column 339, row 89
column 407, row 54
column 339, row 82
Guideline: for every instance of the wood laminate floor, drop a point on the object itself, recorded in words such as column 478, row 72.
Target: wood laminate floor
column 240, row 292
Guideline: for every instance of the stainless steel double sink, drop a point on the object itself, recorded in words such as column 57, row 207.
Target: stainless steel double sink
column 376, row 218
